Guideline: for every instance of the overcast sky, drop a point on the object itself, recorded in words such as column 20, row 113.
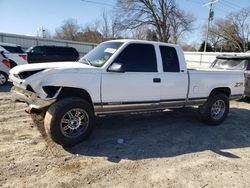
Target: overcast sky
column 26, row 16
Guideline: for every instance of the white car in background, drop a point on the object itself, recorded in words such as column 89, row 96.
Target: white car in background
column 14, row 53
column 4, row 68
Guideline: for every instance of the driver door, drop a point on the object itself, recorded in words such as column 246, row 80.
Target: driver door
column 137, row 85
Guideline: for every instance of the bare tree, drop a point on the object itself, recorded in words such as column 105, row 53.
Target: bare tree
column 233, row 32
column 90, row 33
column 140, row 33
column 154, row 13
column 180, row 23
column 109, row 27
column 189, row 47
column 105, row 28
column 241, row 22
column 216, row 41
column 68, row 31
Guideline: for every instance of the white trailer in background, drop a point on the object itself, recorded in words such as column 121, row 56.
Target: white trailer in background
column 204, row 59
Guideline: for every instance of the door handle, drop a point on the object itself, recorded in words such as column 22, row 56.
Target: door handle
column 156, row 80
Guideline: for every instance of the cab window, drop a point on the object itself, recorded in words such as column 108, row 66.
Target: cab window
column 138, row 58
column 169, row 59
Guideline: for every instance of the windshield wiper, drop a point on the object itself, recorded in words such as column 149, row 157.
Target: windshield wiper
column 86, row 61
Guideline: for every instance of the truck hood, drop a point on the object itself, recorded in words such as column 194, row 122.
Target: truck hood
column 43, row 66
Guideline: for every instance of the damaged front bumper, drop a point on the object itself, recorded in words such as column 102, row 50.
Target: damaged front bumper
column 31, row 98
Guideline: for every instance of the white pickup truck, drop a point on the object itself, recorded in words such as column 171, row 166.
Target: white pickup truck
column 121, row 76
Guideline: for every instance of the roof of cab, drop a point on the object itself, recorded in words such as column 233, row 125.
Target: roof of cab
column 141, row 41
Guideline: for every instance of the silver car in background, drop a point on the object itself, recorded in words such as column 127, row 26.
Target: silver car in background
column 235, row 63
column 14, row 53
column 5, row 66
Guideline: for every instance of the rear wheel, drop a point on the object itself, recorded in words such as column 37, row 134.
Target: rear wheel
column 69, row 121
column 215, row 110
column 3, row 78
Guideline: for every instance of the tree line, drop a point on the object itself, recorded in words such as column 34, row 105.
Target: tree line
column 160, row 20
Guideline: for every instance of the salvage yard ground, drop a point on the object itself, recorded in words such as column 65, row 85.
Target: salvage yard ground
column 165, row 149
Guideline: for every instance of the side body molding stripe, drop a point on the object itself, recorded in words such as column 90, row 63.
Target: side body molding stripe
column 123, row 107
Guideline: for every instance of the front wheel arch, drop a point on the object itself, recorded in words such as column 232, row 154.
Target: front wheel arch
column 75, row 92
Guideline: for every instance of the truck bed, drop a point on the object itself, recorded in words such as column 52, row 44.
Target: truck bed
column 201, row 81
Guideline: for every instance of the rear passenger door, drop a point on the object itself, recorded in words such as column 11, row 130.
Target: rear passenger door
column 138, row 83
column 174, row 79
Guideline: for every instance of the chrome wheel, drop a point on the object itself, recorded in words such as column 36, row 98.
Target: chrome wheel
column 74, row 123
column 3, row 79
column 218, row 109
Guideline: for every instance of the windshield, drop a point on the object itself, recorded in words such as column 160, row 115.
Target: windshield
column 100, row 54
column 232, row 64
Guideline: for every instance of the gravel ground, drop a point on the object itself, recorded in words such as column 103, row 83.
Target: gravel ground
column 165, row 149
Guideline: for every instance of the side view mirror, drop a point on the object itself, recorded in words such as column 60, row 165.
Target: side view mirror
column 116, row 67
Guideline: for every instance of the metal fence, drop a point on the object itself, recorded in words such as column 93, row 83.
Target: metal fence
column 193, row 59
column 204, row 59
column 27, row 41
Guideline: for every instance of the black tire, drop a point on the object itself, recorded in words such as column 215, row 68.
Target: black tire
column 56, row 115
column 208, row 115
column 5, row 77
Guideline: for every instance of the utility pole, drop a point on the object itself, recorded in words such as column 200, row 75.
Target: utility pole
column 210, row 18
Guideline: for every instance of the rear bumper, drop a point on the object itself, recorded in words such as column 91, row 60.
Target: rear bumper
column 32, row 99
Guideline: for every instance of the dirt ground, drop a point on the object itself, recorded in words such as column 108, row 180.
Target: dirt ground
column 165, row 149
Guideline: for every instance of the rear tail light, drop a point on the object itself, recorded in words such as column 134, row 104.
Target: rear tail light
column 6, row 62
column 24, row 56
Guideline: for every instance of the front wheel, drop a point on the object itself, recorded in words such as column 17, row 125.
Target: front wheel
column 69, row 121
column 215, row 110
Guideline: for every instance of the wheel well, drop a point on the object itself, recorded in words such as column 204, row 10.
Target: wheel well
column 224, row 90
column 75, row 92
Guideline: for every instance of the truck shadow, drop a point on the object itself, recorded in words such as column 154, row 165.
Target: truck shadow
column 165, row 134
column 245, row 100
column 6, row 88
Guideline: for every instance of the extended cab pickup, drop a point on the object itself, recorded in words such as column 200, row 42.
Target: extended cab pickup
column 121, row 76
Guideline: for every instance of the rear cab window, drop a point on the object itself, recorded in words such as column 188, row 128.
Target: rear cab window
column 170, row 59
column 138, row 58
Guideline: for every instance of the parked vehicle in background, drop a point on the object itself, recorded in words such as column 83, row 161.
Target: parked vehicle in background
column 14, row 53
column 4, row 68
column 121, row 76
column 41, row 54
column 235, row 63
